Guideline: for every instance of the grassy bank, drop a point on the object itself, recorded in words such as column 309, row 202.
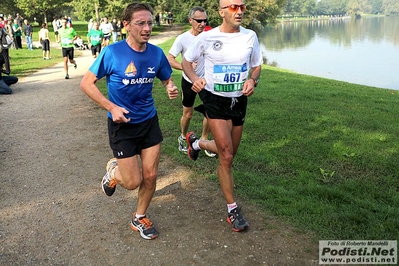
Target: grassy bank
column 318, row 153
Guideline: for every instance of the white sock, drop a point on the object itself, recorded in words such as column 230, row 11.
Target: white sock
column 196, row 145
column 113, row 172
column 183, row 137
column 231, row 206
column 138, row 216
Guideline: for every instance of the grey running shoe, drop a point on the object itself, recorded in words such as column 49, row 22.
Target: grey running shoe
column 66, row 76
column 210, row 154
column 182, row 144
column 145, row 227
column 108, row 183
column 191, row 138
column 235, row 218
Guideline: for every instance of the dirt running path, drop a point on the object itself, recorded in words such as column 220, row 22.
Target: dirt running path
column 53, row 151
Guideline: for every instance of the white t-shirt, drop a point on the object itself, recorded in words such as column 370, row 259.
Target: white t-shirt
column 180, row 45
column 228, row 57
column 55, row 25
column 106, row 28
column 43, row 34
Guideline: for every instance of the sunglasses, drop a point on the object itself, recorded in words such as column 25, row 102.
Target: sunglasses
column 234, row 8
column 200, row 20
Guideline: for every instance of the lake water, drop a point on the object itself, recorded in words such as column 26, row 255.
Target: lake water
column 362, row 51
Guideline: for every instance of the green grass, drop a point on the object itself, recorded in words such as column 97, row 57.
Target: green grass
column 318, row 153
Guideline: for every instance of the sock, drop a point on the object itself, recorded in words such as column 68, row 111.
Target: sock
column 138, row 216
column 231, row 206
column 113, row 172
column 183, row 137
column 196, row 145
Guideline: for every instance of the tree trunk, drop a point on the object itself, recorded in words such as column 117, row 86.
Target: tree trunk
column 45, row 17
column 96, row 9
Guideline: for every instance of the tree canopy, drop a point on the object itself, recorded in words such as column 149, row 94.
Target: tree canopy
column 341, row 7
column 258, row 11
column 262, row 11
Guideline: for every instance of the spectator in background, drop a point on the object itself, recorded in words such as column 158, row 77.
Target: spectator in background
column 44, row 40
column 123, row 32
column 157, row 19
column 2, row 22
column 165, row 17
column 170, row 19
column 56, row 26
column 69, row 22
column 17, row 34
column 19, row 20
column 114, row 30
column 90, row 25
column 9, row 18
column 5, row 81
column 119, row 29
column 28, row 31
column 10, row 32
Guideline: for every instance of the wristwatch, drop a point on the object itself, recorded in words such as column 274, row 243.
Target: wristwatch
column 255, row 81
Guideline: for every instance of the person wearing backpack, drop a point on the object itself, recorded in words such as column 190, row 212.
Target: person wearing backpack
column 5, row 81
column 10, row 32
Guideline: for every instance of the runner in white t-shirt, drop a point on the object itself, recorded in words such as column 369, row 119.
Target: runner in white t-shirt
column 198, row 20
column 232, row 60
column 106, row 28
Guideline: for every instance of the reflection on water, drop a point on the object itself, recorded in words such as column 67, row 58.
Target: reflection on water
column 363, row 51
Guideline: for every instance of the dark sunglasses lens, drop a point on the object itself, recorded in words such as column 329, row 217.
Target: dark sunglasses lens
column 200, row 20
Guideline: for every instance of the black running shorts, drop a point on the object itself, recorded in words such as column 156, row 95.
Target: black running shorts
column 218, row 107
column 68, row 52
column 45, row 45
column 188, row 95
column 127, row 140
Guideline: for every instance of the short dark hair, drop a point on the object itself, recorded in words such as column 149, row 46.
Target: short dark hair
column 135, row 7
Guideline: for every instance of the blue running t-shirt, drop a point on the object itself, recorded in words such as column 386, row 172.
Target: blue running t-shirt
column 130, row 76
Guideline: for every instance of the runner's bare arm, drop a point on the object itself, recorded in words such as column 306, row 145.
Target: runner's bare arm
column 89, row 87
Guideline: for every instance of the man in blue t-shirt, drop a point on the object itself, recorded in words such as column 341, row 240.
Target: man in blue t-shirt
column 130, row 67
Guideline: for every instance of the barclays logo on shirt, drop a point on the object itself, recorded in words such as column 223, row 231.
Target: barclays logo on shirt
column 137, row 81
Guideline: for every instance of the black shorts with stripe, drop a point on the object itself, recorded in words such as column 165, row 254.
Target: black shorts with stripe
column 127, row 140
